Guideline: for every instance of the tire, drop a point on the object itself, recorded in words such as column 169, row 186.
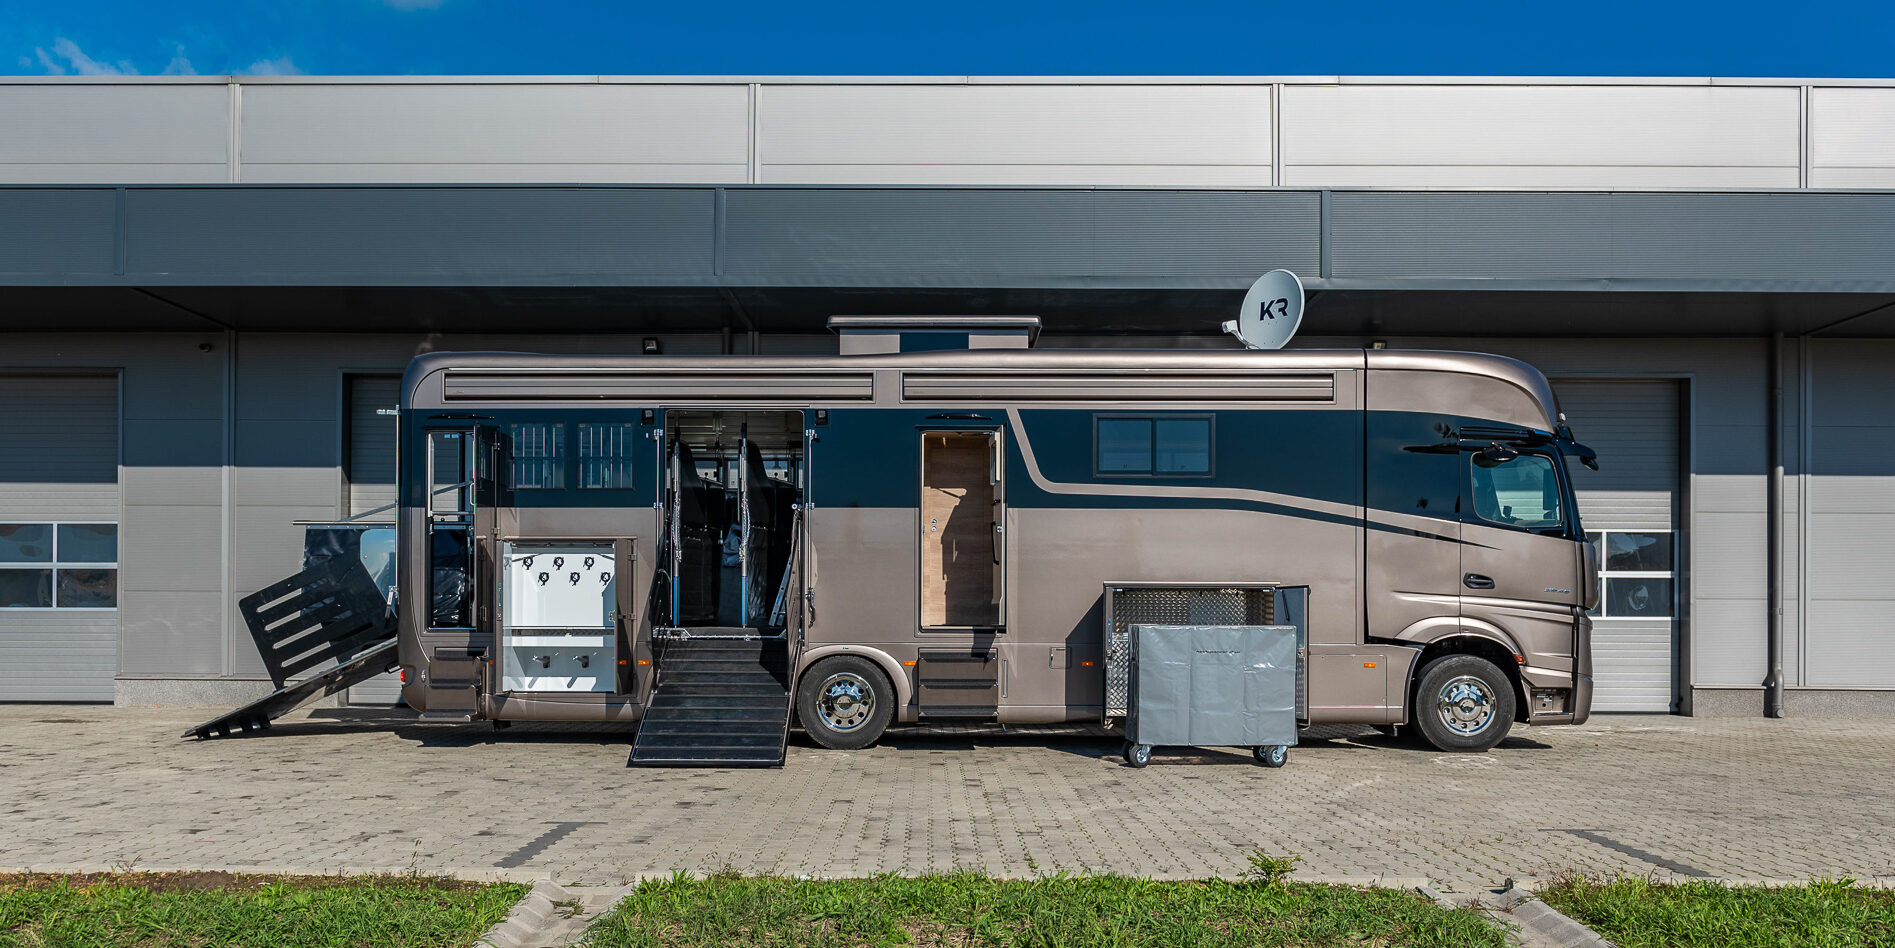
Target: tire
column 1137, row 755
column 1463, row 703
column 845, row 702
column 1273, row 755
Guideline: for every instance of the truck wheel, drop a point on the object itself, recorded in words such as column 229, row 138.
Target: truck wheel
column 1273, row 755
column 845, row 702
column 1463, row 703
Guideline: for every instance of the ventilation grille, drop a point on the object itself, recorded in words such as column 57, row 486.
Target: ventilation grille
column 1126, row 606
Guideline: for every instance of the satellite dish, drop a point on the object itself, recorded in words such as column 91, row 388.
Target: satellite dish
column 1271, row 312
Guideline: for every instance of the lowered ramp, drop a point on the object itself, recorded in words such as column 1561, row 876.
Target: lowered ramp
column 332, row 612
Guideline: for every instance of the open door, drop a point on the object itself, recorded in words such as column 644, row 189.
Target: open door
column 756, row 503
column 963, row 517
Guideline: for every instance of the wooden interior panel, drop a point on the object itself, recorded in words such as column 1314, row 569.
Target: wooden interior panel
column 957, row 530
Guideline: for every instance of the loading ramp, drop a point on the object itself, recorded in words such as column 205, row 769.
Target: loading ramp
column 722, row 699
column 330, row 612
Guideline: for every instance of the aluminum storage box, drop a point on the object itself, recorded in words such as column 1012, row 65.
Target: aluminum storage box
column 1213, row 685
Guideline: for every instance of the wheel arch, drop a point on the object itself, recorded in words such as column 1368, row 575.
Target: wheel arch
column 883, row 660
column 1467, row 642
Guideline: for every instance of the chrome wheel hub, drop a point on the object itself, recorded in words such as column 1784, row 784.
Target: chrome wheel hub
column 845, row 701
column 1466, row 705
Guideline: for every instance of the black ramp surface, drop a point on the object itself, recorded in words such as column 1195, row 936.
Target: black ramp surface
column 718, row 703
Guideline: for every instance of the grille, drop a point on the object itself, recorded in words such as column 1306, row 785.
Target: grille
column 1126, row 606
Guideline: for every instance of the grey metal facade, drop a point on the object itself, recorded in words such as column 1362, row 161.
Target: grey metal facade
column 244, row 258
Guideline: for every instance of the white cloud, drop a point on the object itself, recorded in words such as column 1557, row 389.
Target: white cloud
column 67, row 58
column 280, row 66
column 179, row 65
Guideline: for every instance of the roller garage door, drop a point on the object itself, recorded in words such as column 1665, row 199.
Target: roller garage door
column 371, row 468
column 59, row 511
column 1629, row 508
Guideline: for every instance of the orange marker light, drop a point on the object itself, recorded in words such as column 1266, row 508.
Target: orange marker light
column 644, row 661
column 621, row 661
column 1085, row 664
column 910, row 664
column 1368, row 664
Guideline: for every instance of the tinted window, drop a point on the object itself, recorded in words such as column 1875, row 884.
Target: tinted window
column 88, row 543
column 26, row 543
column 88, row 589
column 26, row 588
column 1414, row 464
column 1125, row 445
column 1637, row 597
column 1153, row 445
column 451, row 564
column 1522, row 492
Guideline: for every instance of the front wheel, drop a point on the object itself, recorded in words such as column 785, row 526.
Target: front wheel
column 1463, row 703
column 845, row 702
column 1273, row 755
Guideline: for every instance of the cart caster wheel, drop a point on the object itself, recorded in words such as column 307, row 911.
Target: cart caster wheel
column 1273, row 755
column 1137, row 755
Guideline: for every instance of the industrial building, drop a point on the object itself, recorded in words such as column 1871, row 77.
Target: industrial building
column 209, row 287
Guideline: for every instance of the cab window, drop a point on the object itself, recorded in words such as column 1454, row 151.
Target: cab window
column 1519, row 492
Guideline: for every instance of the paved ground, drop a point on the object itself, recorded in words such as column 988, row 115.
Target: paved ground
column 1733, row 798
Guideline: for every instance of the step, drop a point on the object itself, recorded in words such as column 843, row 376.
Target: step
column 663, row 701
column 673, row 676
column 705, row 730
column 700, row 739
column 717, row 757
column 763, row 685
column 696, row 716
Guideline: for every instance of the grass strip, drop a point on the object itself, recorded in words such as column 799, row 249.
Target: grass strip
column 220, row 910
column 970, row 910
column 1639, row 913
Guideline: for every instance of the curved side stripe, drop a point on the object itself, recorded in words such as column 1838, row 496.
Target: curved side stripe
column 1040, row 480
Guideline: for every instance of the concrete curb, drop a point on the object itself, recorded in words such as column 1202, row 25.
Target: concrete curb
column 551, row 916
column 1549, row 922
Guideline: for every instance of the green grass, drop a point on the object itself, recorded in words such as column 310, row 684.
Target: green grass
column 968, row 910
column 1638, row 913
column 217, row 910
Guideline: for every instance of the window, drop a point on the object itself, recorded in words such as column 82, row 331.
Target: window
column 605, row 456
column 1155, row 446
column 539, row 456
column 450, row 461
column 1636, row 575
column 58, row 566
column 1521, row 492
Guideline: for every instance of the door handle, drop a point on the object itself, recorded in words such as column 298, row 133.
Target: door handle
column 1477, row 581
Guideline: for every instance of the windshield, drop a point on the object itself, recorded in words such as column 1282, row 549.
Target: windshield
column 1523, row 491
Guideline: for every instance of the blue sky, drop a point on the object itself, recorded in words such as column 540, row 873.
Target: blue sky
column 1312, row 37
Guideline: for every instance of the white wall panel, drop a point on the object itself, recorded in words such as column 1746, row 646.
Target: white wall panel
column 1015, row 134
column 1540, row 136
column 1852, row 138
column 114, row 134
column 494, row 132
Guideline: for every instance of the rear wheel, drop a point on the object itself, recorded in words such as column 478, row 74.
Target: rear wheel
column 1463, row 703
column 845, row 702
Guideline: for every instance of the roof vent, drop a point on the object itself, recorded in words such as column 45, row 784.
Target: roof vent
column 866, row 335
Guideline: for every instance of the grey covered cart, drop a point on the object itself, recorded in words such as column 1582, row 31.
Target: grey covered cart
column 1213, row 686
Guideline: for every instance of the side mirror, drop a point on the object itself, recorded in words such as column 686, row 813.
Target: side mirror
column 1495, row 455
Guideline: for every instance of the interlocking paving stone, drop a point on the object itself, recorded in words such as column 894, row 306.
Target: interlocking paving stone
column 329, row 789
